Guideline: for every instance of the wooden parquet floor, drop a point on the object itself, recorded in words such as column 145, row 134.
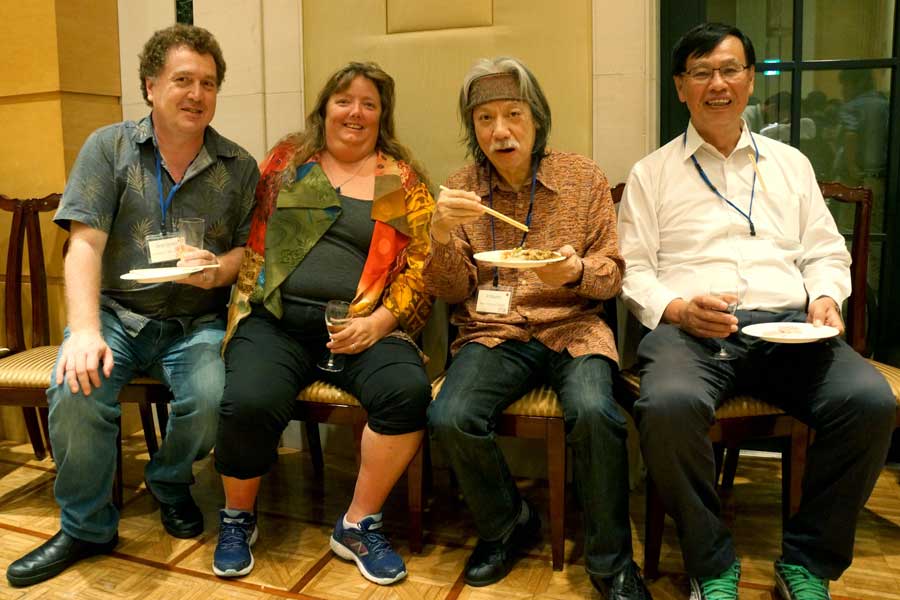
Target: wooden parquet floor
column 297, row 513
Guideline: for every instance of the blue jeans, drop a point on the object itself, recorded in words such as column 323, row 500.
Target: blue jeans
column 83, row 429
column 826, row 385
column 481, row 383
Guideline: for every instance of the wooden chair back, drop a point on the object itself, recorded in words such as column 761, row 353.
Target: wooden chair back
column 861, row 198
column 26, row 225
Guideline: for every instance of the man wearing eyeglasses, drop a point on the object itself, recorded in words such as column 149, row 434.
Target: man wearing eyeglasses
column 719, row 202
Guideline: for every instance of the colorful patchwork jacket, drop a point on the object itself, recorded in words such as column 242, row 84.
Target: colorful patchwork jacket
column 289, row 220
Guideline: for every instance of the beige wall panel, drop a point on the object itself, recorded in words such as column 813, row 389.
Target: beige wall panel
column 138, row 19
column 424, row 15
column 282, row 47
column 31, row 132
column 28, row 53
column 553, row 39
column 619, row 37
column 284, row 114
column 237, row 25
column 242, row 120
column 82, row 114
column 135, row 111
column 88, row 46
column 619, row 135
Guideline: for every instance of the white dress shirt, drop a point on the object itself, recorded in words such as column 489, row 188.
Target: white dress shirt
column 678, row 236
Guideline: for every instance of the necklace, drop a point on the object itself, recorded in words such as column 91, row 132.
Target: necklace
column 337, row 188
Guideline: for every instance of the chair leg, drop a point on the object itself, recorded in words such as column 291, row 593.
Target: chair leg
column 729, row 469
column 655, row 519
column 34, row 432
column 793, row 466
column 414, row 492
column 149, row 426
column 162, row 415
column 556, row 475
column 314, row 443
column 358, row 428
column 719, row 456
column 118, row 483
column 44, row 417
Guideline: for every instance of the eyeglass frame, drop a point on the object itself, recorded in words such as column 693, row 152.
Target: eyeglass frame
column 712, row 70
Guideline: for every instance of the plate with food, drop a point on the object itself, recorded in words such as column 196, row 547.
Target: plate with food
column 790, row 333
column 161, row 274
column 519, row 258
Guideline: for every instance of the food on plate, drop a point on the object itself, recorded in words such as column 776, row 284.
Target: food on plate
column 528, row 254
column 789, row 329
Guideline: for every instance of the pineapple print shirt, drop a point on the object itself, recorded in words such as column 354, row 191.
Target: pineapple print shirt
column 113, row 188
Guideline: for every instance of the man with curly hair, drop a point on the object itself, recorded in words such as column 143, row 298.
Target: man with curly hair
column 131, row 185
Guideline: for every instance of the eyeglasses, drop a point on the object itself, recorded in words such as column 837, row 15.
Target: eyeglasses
column 703, row 74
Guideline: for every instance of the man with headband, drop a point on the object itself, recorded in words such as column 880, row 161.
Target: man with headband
column 519, row 328
column 720, row 204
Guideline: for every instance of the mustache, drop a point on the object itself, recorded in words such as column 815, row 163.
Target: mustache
column 505, row 145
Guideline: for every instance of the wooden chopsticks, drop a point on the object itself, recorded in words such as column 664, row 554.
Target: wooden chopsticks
column 499, row 215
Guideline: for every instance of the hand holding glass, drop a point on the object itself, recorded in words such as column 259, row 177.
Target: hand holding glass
column 337, row 316
column 725, row 288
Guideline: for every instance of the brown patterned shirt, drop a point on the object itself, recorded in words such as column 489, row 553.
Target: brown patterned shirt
column 572, row 205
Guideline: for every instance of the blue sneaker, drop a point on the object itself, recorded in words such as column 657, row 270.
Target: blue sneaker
column 236, row 534
column 369, row 549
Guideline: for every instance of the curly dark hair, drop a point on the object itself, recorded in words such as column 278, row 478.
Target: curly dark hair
column 312, row 138
column 156, row 50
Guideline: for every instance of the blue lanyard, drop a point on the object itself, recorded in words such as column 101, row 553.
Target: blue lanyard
column 534, row 167
column 164, row 204
column 746, row 215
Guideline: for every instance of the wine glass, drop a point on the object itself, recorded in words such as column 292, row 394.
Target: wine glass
column 725, row 286
column 337, row 316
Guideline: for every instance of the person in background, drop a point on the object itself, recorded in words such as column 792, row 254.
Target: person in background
column 130, row 185
column 717, row 205
column 342, row 213
column 522, row 328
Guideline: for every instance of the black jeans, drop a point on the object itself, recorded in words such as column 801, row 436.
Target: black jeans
column 826, row 385
column 481, row 383
column 266, row 366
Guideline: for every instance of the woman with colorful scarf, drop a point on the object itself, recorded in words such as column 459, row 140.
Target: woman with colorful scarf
column 342, row 213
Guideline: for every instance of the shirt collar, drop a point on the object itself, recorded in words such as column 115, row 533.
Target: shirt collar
column 694, row 141
column 545, row 176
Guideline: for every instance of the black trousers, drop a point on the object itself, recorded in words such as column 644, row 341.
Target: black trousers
column 266, row 366
column 826, row 385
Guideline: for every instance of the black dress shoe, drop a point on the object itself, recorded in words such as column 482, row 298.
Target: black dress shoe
column 492, row 561
column 624, row 585
column 52, row 557
column 181, row 519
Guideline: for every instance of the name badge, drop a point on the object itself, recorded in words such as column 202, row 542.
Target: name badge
column 493, row 300
column 162, row 247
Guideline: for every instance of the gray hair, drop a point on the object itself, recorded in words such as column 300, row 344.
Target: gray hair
column 530, row 92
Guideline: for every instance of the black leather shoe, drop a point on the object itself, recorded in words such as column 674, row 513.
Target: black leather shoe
column 181, row 519
column 624, row 585
column 53, row 557
column 492, row 561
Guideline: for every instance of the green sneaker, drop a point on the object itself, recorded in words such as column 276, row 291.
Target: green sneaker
column 794, row 582
column 723, row 586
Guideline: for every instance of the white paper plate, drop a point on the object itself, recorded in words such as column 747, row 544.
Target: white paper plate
column 160, row 274
column 495, row 257
column 790, row 333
